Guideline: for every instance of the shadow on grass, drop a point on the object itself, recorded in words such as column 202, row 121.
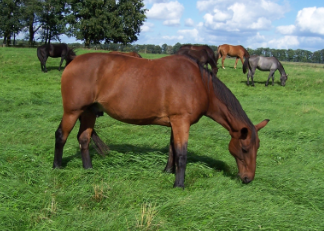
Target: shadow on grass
column 262, row 83
column 53, row 68
column 142, row 151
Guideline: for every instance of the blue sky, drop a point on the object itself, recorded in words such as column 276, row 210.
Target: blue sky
column 276, row 24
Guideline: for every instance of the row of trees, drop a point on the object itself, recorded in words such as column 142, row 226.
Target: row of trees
column 282, row 54
column 92, row 21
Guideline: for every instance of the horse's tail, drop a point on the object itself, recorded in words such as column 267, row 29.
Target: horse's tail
column 100, row 146
column 70, row 55
column 39, row 54
column 219, row 51
column 246, row 65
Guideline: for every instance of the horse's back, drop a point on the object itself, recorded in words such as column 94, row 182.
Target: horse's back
column 131, row 89
column 263, row 63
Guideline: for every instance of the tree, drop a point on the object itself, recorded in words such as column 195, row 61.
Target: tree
column 31, row 12
column 164, row 48
column 105, row 20
column 10, row 19
column 53, row 20
column 176, row 47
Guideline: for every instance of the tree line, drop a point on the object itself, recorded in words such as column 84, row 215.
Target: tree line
column 102, row 24
column 92, row 21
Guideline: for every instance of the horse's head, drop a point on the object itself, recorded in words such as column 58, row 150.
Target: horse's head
column 215, row 70
column 244, row 146
column 283, row 79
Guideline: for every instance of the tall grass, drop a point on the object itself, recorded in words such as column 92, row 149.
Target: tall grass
column 127, row 189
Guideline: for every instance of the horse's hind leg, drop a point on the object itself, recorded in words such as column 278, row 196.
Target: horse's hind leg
column 87, row 121
column 44, row 63
column 248, row 78
column 61, row 135
column 223, row 59
column 236, row 62
column 270, row 75
column 170, row 167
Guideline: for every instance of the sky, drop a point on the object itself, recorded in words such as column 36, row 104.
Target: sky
column 278, row 24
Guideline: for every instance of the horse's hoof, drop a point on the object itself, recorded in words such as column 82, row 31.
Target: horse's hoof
column 223, row 67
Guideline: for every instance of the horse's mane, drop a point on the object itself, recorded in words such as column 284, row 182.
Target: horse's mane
column 246, row 53
column 226, row 96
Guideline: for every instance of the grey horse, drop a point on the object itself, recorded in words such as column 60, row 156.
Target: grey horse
column 264, row 64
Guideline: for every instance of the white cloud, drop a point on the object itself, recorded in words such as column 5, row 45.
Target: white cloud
column 172, row 22
column 170, row 12
column 189, row 22
column 284, row 43
column 235, row 16
column 146, row 26
column 311, row 20
column 286, row 30
column 194, row 34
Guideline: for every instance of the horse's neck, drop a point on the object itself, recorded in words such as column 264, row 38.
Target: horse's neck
column 220, row 113
column 281, row 69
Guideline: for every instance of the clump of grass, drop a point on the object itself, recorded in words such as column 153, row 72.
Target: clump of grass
column 148, row 213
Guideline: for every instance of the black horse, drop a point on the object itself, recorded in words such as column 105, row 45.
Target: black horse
column 55, row 51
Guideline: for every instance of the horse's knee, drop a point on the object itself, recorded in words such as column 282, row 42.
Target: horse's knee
column 84, row 141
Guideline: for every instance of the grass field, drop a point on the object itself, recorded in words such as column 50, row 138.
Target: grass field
column 127, row 190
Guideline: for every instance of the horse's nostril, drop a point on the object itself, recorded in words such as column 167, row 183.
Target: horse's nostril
column 246, row 180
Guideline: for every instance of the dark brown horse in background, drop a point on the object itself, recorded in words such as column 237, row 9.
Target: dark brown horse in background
column 173, row 91
column 199, row 53
column 132, row 53
column 234, row 51
column 55, row 51
column 200, row 56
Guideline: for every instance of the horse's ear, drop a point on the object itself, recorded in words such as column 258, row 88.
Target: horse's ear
column 262, row 124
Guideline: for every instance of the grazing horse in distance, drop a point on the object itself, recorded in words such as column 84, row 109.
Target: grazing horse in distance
column 174, row 91
column 132, row 53
column 264, row 64
column 60, row 50
column 200, row 56
column 211, row 58
column 234, row 51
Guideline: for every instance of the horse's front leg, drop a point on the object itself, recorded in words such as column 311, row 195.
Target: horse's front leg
column 62, row 58
column 180, row 129
column 170, row 166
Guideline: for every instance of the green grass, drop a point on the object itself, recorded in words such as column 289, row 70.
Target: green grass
column 127, row 189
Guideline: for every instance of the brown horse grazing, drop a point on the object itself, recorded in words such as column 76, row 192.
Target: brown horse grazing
column 173, row 91
column 200, row 56
column 55, row 51
column 233, row 51
column 132, row 53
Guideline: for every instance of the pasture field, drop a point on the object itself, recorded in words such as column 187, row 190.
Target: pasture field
column 127, row 190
